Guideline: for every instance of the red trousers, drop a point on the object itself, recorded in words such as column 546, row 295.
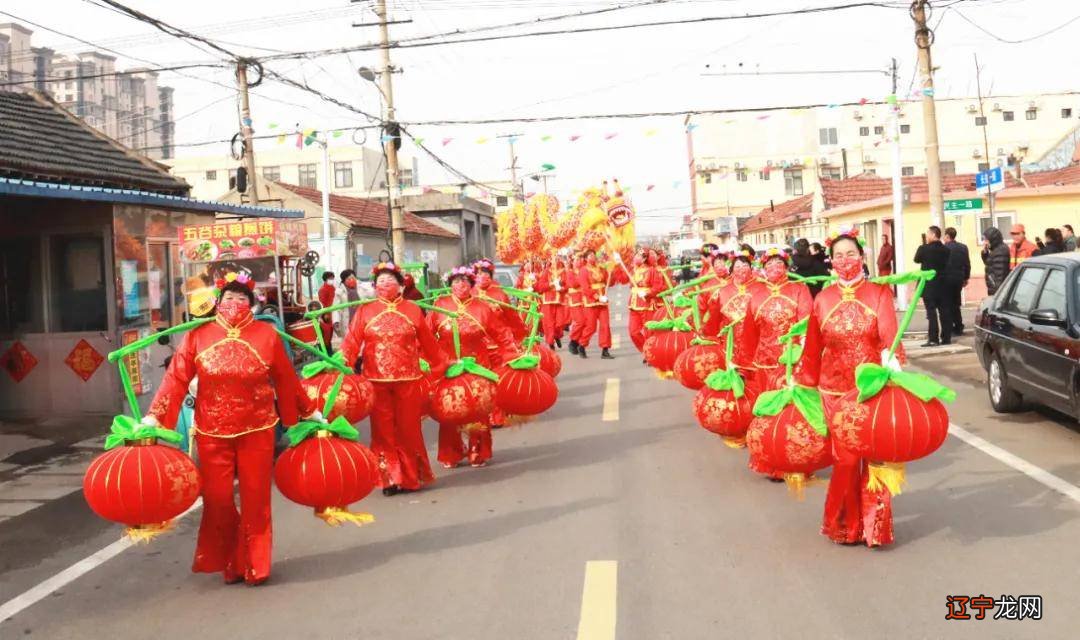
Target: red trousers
column 563, row 319
column 853, row 513
column 396, row 437
column 577, row 322
column 549, row 322
column 235, row 543
column 596, row 318
column 452, row 448
column 637, row 327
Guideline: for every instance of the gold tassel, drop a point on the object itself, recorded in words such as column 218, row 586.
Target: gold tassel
column 517, row 421
column 335, row 516
column 887, row 475
column 797, row 484
column 734, row 443
column 472, row 426
column 664, row 375
column 144, row 533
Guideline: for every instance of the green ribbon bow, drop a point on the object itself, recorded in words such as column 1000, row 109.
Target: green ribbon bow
column 468, row 365
column 669, row 324
column 871, row 378
column 727, row 380
column 531, row 340
column 791, row 355
column 526, row 361
column 304, row 429
column 683, row 302
column 425, row 366
column 703, row 341
column 807, row 401
column 125, row 428
column 334, row 363
column 811, row 279
column 905, row 278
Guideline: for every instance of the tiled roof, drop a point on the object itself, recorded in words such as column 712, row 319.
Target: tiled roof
column 783, row 213
column 369, row 214
column 865, row 187
column 40, row 140
column 1066, row 175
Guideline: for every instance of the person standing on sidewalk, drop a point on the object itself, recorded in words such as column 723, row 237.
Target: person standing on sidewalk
column 957, row 273
column 1021, row 248
column 935, row 255
column 1069, row 237
column 996, row 257
column 886, row 257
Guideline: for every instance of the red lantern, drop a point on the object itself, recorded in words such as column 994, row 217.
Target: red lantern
column 787, row 443
column 465, row 399
column 663, row 347
column 141, row 484
column 696, row 363
column 354, row 401
column 893, row 426
column 549, row 360
column 328, row 473
column 525, row 392
column 725, row 415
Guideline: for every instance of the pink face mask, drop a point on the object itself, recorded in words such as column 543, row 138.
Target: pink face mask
column 776, row 271
column 846, row 268
column 720, row 268
column 460, row 288
column 742, row 272
column 234, row 310
column 388, row 289
column 638, row 261
column 483, row 279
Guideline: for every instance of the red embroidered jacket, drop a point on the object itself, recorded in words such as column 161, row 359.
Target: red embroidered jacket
column 391, row 335
column 479, row 329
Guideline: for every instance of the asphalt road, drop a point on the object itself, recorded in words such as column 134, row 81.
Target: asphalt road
column 685, row 542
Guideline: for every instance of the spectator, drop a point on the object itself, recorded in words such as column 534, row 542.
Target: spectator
column 996, row 257
column 957, row 273
column 327, row 292
column 935, row 255
column 806, row 265
column 347, row 291
column 1021, row 248
column 818, row 253
column 410, row 291
column 886, row 257
column 1069, row 237
column 1055, row 243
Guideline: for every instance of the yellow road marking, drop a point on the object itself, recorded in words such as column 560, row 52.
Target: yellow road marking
column 598, row 600
column 611, row 400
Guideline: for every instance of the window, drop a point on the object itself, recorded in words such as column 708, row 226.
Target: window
column 708, row 225
column 793, row 185
column 980, row 121
column 948, row 168
column 1024, row 291
column 342, row 175
column 984, row 166
column 20, row 295
column 406, row 178
column 907, row 171
column 77, row 283
column 1031, row 114
column 905, row 128
column 307, row 176
column 501, row 201
column 1008, row 116
column 871, row 172
column 879, row 131
column 833, row 173
column 740, row 175
column 763, row 174
column 211, row 175
column 864, row 131
column 827, row 136
column 1065, row 113
column 1053, row 293
column 271, row 173
column 707, row 178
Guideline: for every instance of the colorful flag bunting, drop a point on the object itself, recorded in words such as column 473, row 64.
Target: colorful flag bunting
column 446, row 141
column 418, row 141
column 691, row 126
column 481, row 140
column 609, row 136
column 281, row 139
column 338, row 134
column 272, row 126
column 574, row 138
column 650, row 187
column 545, row 138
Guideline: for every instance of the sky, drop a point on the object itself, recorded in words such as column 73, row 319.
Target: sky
column 641, row 70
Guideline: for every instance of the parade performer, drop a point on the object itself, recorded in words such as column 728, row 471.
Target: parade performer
column 729, row 305
column 593, row 281
column 646, row 284
column 486, row 287
column 720, row 277
column 853, row 322
column 551, row 285
column 479, row 327
column 392, row 335
column 241, row 365
column 575, row 302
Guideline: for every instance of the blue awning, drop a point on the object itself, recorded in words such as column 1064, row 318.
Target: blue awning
column 59, row 191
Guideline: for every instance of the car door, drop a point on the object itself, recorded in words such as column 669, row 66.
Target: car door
column 1010, row 321
column 1053, row 359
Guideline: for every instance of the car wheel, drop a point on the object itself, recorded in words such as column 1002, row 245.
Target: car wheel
column 1002, row 398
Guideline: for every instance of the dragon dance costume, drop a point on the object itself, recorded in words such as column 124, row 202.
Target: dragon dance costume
column 593, row 280
column 551, row 286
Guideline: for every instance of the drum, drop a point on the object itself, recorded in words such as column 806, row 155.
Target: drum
column 303, row 331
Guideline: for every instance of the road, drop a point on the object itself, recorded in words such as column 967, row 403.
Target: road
column 680, row 541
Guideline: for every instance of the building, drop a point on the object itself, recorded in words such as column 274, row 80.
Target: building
column 741, row 163
column 357, row 170
column 89, row 260
column 127, row 106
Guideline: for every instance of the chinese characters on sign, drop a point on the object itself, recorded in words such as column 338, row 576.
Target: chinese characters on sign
column 967, row 204
column 250, row 239
column 131, row 361
column 1004, row 608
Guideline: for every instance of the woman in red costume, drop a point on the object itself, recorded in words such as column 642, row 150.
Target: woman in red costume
column 729, row 305
column 575, row 303
column 854, row 321
column 551, row 285
column 645, row 285
column 479, row 327
column 242, row 366
column 391, row 335
column 720, row 277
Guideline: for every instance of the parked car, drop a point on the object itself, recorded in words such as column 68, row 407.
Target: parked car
column 1027, row 336
column 506, row 274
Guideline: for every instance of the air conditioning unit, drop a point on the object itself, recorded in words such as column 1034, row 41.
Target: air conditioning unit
column 712, row 166
column 699, row 168
column 997, row 106
column 738, row 165
column 1033, row 105
column 768, row 163
column 972, row 109
column 1001, row 151
column 976, row 153
column 823, row 160
column 797, row 162
column 868, row 159
column 858, row 116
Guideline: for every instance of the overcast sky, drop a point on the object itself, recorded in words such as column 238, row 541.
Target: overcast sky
column 636, row 70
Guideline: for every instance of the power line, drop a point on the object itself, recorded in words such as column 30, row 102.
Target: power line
column 114, row 74
column 164, row 27
column 1022, row 40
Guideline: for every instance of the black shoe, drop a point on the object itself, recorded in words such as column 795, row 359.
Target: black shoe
column 946, row 342
column 644, row 362
column 958, row 332
column 391, row 490
column 606, row 355
column 558, row 343
column 581, row 352
column 574, row 347
column 930, row 344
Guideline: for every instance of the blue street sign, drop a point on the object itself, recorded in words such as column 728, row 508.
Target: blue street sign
column 990, row 181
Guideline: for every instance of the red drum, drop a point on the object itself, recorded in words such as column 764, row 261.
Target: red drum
column 303, row 331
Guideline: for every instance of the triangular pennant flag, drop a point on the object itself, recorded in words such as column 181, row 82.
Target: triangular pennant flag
column 481, row 140
column 610, row 136
column 299, row 140
column 650, row 133
column 446, row 141
column 281, row 139
column 650, row 187
column 338, row 134
column 574, row 138
column 512, row 139
column 545, row 138
column 272, row 126
column 692, row 126
column 863, row 101
column 418, row 141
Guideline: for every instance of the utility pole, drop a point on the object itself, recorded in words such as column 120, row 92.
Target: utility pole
column 897, row 191
column 518, row 191
column 245, row 132
column 325, row 144
column 392, row 134
column 924, row 37
column 986, row 138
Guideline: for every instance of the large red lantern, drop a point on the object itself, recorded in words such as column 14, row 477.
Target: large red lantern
column 141, row 484
column 549, row 360
column 328, row 473
column 525, row 392
column 696, row 363
column 724, row 414
column 465, row 399
column 354, row 401
column 663, row 347
column 788, row 443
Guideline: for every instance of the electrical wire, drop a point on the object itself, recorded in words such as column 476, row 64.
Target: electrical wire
column 115, row 74
column 1021, row 40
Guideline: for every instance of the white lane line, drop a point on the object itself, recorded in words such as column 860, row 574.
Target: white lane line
column 1037, row 474
column 74, row 572
column 598, row 601
column 611, row 400
column 618, row 317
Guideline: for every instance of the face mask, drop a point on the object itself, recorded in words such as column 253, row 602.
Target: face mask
column 388, row 289
column 483, row 279
column 350, row 283
column 638, row 261
column 591, row 260
column 847, row 269
column 721, row 269
column 776, row 271
column 461, row 288
column 234, row 310
column 742, row 272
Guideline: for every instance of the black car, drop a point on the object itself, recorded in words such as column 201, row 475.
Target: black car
column 1027, row 336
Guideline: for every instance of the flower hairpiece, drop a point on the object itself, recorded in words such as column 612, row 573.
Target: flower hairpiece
column 774, row 252
column 484, row 265
column 467, row 272
column 384, row 266
column 232, row 276
column 852, row 233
